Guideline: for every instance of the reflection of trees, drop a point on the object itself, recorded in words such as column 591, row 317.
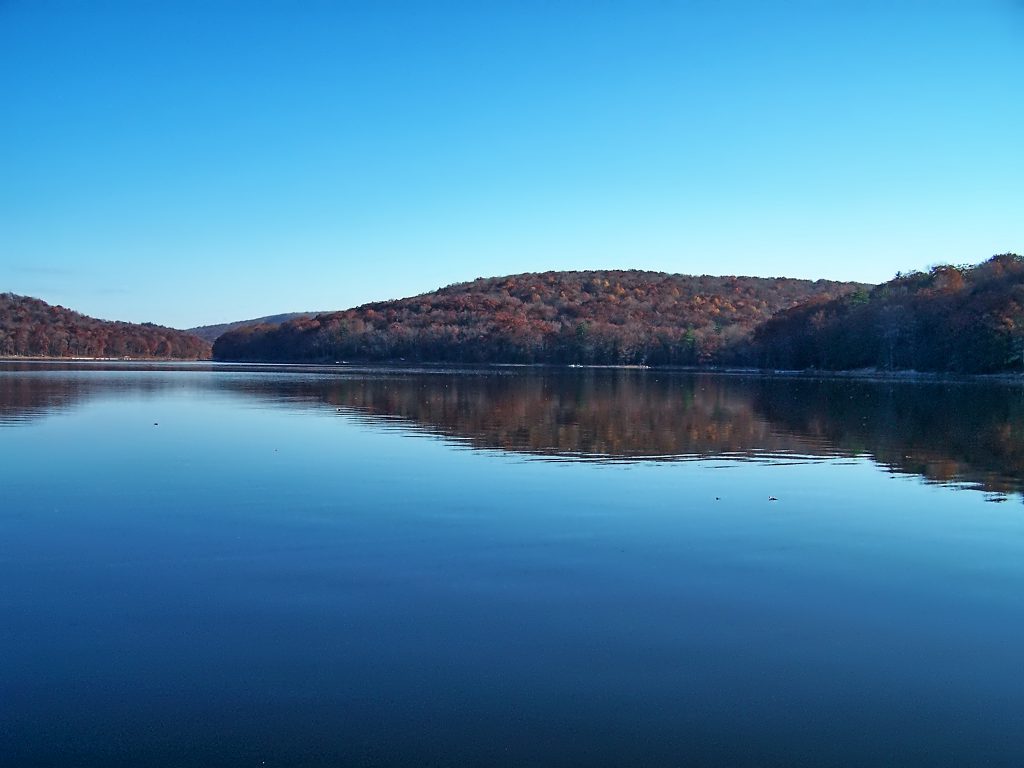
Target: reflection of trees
column 30, row 391
column 26, row 397
column 609, row 414
column 972, row 433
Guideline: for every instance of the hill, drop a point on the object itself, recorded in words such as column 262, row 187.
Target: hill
column 592, row 317
column 212, row 332
column 960, row 319
column 32, row 328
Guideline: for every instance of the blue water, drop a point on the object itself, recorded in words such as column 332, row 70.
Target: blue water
column 207, row 565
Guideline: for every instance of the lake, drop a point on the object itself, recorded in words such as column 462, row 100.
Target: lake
column 206, row 565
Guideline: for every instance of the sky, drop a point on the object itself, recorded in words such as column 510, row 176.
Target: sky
column 189, row 163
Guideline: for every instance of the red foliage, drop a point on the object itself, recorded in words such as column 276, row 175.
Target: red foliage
column 32, row 328
column 562, row 317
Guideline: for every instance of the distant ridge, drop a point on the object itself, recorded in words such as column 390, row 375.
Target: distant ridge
column 30, row 327
column 211, row 332
column 585, row 317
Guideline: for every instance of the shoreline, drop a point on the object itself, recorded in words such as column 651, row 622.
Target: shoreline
column 48, row 359
column 864, row 374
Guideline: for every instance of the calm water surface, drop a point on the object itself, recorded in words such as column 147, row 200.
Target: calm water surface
column 215, row 565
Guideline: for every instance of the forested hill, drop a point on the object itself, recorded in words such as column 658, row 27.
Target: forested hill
column 212, row 332
column 598, row 317
column 949, row 319
column 32, row 328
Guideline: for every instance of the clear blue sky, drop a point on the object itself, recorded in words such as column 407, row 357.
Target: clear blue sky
column 190, row 163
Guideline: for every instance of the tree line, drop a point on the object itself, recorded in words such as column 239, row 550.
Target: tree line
column 32, row 328
column 960, row 319
column 951, row 318
column 591, row 317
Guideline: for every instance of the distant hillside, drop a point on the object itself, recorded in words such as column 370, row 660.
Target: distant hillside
column 598, row 317
column 32, row 328
column 211, row 332
column 952, row 318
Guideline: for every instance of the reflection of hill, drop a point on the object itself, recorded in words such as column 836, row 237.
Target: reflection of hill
column 606, row 414
column 967, row 433
column 30, row 391
column 25, row 397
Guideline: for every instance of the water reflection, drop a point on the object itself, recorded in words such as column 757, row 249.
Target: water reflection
column 965, row 433
column 971, row 433
column 31, row 391
column 603, row 415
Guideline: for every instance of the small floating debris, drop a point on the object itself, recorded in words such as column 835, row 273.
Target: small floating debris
column 156, row 424
column 772, row 498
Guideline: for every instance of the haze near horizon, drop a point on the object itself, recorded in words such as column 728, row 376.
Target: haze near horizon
column 190, row 164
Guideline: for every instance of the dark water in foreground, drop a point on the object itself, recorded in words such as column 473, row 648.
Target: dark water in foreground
column 205, row 566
